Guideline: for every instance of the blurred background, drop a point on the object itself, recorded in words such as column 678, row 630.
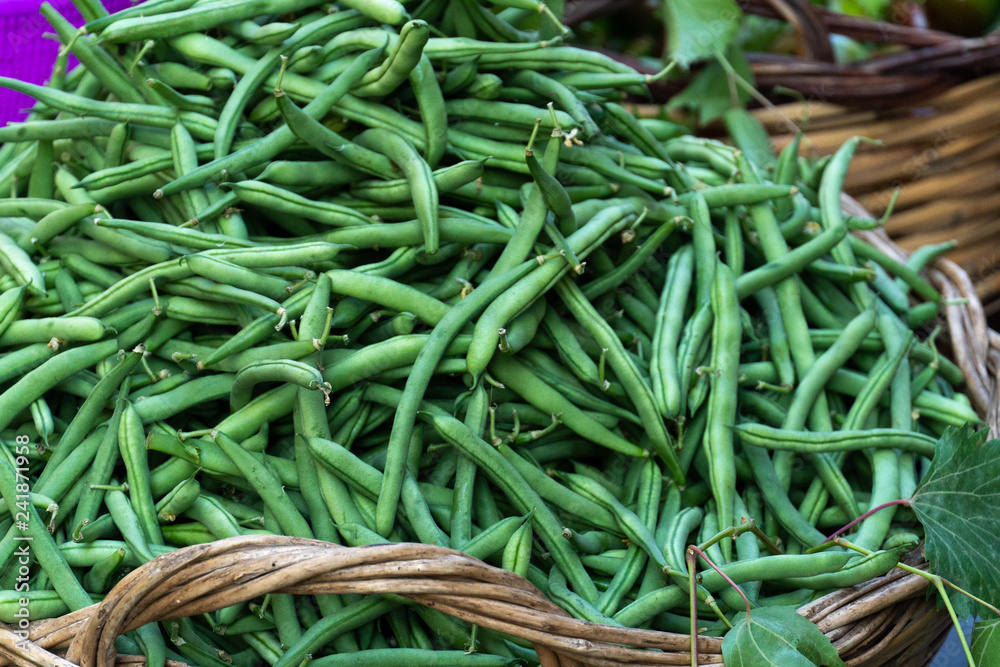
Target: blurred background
column 920, row 77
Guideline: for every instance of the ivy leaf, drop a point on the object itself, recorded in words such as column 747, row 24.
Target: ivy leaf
column 777, row 636
column 986, row 643
column 957, row 504
column 698, row 29
column 710, row 94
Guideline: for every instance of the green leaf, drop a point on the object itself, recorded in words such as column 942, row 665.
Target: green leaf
column 958, row 506
column 777, row 636
column 698, row 29
column 710, row 93
column 986, row 643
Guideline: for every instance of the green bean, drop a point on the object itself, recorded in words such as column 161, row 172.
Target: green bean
column 418, row 173
column 54, row 224
column 43, row 547
column 267, row 485
column 201, row 126
column 810, row 386
column 94, row 59
column 552, row 372
column 776, row 567
column 447, row 179
column 499, row 314
column 790, row 303
column 11, row 302
column 198, row 390
column 669, row 318
column 627, row 372
column 547, row 87
column 835, row 441
column 518, row 491
column 50, row 373
column 832, row 217
column 444, row 332
column 381, row 11
column 777, row 501
column 556, row 197
column 704, row 250
column 627, row 269
column 786, row 173
column 280, row 139
column 629, row 522
column 532, row 218
column 547, row 399
column 127, row 522
column 797, row 221
column 909, row 276
column 305, row 447
column 332, row 144
column 25, row 207
column 105, row 572
column 155, row 7
column 573, row 603
column 181, row 498
column 722, row 398
column 404, row 55
column 459, row 77
column 832, row 359
column 278, row 199
column 647, row 507
column 67, row 329
column 154, row 161
column 557, row 494
column 166, row 95
column 925, row 255
column 780, row 269
column 194, row 19
column 40, row 180
column 222, row 270
column 18, row 264
column 856, row 571
column 885, row 463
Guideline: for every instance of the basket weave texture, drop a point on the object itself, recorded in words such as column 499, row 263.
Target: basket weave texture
column 887, row 621
column 931, row 101
column 943, row 155
column 883, row 622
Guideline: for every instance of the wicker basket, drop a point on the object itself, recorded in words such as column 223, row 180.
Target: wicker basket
column 917, row 63
column 944, row 157
column 938, row 128
column 887, row 621
column 884, row 622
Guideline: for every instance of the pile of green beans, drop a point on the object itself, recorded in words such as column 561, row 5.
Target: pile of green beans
column 363, row 272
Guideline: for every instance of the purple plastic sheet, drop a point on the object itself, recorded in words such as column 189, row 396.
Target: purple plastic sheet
column 25, row 54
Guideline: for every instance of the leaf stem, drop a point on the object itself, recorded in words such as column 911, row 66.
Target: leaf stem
column 937, row 581
column 733, row 75
column 692, row 559
column 695, row 550
column 746, row 526
column 903, row 501
column 917, row 571
column 972, row 597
